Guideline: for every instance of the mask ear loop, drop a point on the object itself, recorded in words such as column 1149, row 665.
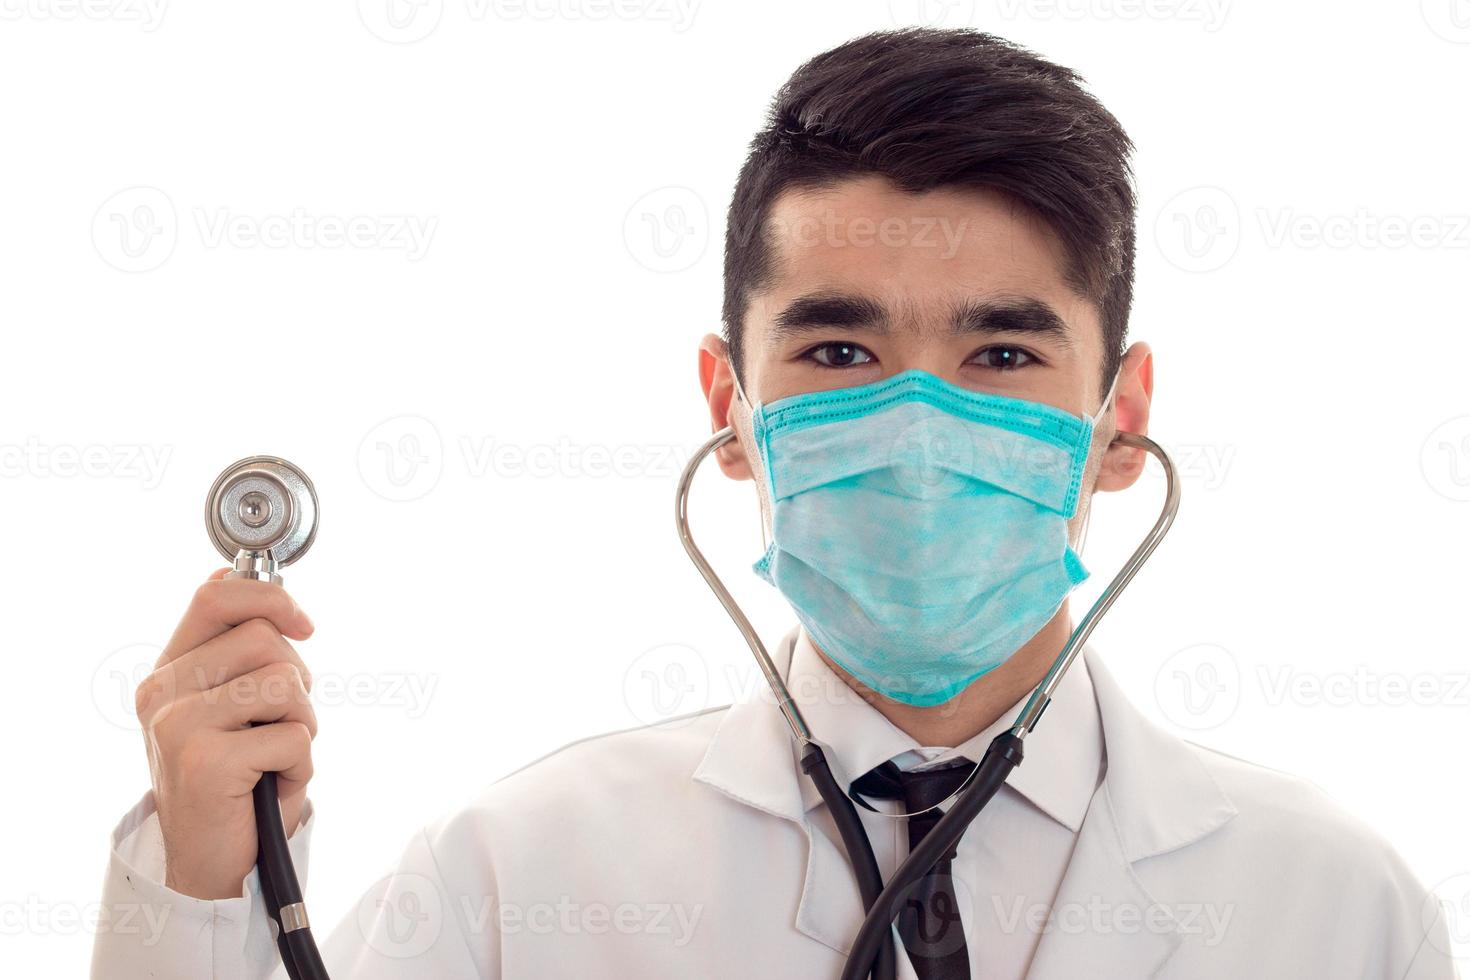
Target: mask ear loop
column 740, row 393
column 1107, row 403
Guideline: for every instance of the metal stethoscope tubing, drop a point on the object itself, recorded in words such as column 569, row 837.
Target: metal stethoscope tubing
column 262, row 514
column 872, row 951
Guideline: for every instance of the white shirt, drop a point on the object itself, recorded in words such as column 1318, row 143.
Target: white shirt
column 1010, row 863
column 689, row 849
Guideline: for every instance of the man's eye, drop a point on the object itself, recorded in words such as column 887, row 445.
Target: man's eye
column 1002, row 358
column 839, row 355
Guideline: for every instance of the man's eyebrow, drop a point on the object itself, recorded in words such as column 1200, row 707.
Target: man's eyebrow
column 807, row 313
column 1021, row 315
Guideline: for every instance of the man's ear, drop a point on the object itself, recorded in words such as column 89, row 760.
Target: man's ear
column 1122, row 465
column 717, row 378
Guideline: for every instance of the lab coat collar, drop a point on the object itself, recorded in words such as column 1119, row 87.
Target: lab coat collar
column 857, row 737
column 1156, row 796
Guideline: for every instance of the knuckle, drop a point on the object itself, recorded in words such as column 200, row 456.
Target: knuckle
column 148, row 697
column 298, row 735
column 206, row 599
column 259, row 631
column 275, row 603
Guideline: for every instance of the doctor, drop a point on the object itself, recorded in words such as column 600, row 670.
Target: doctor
column 935, row 222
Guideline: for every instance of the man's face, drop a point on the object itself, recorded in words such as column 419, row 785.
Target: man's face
column 870, row 281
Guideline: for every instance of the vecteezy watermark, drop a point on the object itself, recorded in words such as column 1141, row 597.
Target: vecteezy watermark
column 932, row 13
column 138, row 229
column 488, row 456
column 1363, row 229
column 147, row 14
column 403, row 458
column 1361, row 686
column 408, row 21
column 1097, row 916
column 1445, row 916
column 1206, row 465
column 408, row 233
column 564, row 917
column 34, row 916
column 121, row 461
column 667, row 230
column 410, row 693
column 1445, row 459
column 400, row 21
column 116, row 679
column 1210, row 14
column 666, row 682
column 1201, row 229
column 1450, row 19
column 401, row 916
column 1199, row 687
column 832, row 229
column 1198, row 230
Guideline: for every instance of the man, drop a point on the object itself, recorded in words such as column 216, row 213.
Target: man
column 929, row 266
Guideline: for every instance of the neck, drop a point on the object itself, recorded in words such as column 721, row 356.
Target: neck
column 981, row 704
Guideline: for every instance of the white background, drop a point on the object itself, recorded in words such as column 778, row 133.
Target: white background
column 524, row 370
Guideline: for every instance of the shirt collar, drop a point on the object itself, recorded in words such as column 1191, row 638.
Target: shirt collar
column 856, row 737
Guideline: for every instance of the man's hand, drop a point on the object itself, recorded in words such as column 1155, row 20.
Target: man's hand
column 227, row 667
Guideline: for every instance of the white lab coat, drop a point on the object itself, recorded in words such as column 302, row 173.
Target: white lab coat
column 684, row 850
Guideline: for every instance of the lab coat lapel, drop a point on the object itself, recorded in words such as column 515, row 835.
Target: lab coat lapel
column 752, row 759
column 1156, row 797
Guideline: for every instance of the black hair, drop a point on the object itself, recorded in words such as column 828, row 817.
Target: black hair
column 929, row 108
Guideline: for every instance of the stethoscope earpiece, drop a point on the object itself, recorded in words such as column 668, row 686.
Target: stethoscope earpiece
column 261, row 513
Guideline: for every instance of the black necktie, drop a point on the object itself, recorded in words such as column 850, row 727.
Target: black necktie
column 929, row 917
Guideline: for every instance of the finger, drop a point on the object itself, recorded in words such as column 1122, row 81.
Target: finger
column 221, row 604
column 271, row 694
column 283, row 748
column 253, row 644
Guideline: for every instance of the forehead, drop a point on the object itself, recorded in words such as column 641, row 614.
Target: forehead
column 918, row 254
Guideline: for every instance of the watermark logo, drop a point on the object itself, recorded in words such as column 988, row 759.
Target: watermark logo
column 1199, row 687
column 116, row 679
column 400, row 21
column 667, row 230
column 665, row 682
column 402, row 458
column 1450, row 19
column 136, row 229
column 932, row 13
column 1449, row 900
column 1198, row 230
column 932, row 456
column 1445, row 459
column 401, row 916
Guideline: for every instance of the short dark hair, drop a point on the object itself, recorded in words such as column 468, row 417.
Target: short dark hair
column 929, row 108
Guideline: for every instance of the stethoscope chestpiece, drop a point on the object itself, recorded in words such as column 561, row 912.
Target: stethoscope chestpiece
column 261, row 514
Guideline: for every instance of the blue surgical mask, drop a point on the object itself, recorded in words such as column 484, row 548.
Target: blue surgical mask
column 919, row 529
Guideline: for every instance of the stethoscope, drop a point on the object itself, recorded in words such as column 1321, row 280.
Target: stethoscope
column 262, row 515
column 873, row 951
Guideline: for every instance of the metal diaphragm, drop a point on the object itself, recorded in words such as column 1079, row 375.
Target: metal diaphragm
column 262, row 503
